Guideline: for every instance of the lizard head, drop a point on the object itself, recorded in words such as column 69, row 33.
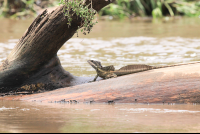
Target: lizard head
column 95, row 64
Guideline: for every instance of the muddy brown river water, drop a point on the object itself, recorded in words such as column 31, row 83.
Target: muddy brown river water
column 112, row 42
column 57, row 117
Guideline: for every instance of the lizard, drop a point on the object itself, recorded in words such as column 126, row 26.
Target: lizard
column 110, row 72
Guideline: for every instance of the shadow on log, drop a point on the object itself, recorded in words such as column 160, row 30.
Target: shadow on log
column 33, row 63
column 179, row 84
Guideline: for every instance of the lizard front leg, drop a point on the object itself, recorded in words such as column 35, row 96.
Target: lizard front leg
column 94, row 78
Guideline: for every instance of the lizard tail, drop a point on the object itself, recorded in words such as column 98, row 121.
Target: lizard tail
column 129, row 69
column 157, row 67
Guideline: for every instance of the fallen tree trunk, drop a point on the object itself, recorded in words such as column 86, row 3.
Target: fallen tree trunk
column 179, row 84
column 33, row 63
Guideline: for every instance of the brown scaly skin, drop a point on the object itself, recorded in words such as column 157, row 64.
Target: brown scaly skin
column 110, row 72
column 103, row 72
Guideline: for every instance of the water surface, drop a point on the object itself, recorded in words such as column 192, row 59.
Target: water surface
column 133, row 118
column 119, row 43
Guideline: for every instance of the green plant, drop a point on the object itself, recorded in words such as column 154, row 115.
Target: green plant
column 157, row 11
column 155, row 8
column 188, row 8
column 116, row 11
column 85, row 12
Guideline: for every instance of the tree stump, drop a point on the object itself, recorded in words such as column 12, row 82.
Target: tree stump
column 33, row 64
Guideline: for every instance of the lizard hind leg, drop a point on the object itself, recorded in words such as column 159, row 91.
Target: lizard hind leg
column 111, row 75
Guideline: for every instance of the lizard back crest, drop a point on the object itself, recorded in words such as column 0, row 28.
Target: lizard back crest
column 135, row 67
column 108, row 68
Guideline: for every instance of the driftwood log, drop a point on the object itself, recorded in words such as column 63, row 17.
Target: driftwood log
column 178, row 84
column 33, row 63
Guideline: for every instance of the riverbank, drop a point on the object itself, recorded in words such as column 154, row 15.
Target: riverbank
column 119, row 9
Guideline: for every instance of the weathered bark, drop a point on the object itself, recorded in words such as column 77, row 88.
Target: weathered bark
column 33, row 63
column 179, row 84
